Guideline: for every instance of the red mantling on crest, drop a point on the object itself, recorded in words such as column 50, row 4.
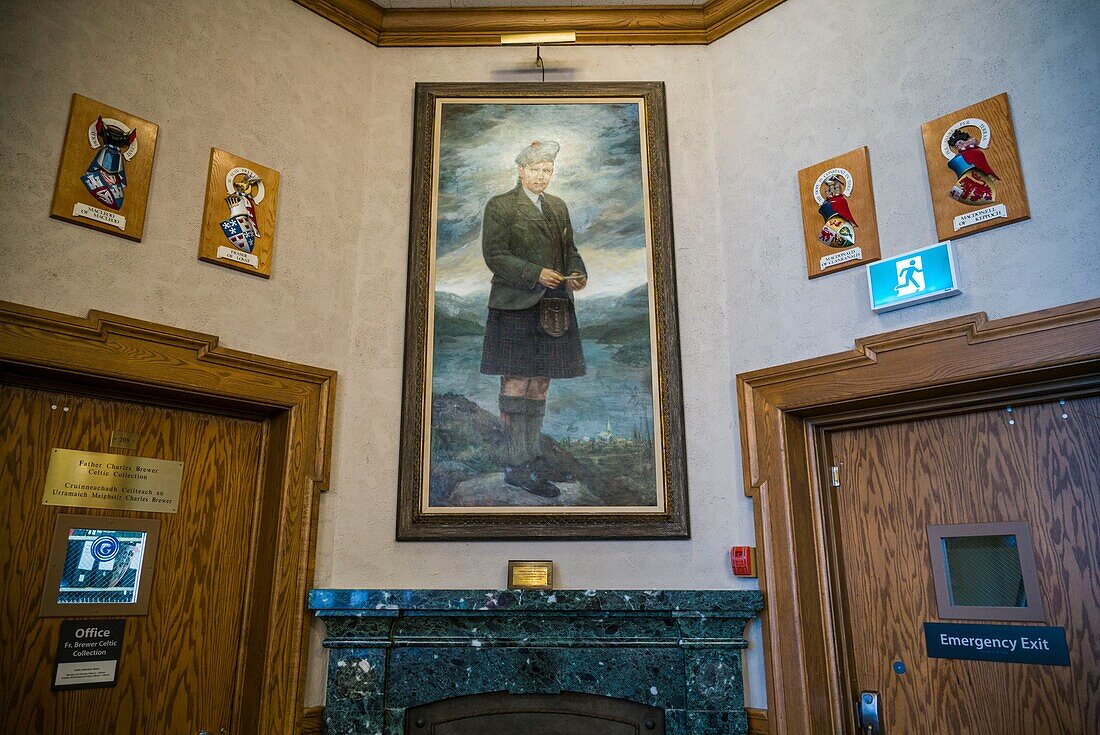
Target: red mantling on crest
column 976, row 158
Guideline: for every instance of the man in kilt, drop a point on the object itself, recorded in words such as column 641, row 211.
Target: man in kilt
column 531, row 334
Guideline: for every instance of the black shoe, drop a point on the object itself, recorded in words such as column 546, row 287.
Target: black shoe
column 547, row 471
column 523, row 477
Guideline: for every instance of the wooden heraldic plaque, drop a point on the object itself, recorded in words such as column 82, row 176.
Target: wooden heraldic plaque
column 238, row 218
column 106, row 165
column 974, row 169
column 838, row 213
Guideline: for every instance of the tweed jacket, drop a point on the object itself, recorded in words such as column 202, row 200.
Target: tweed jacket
column 518, row 241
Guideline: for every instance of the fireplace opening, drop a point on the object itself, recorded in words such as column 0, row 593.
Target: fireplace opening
column 567, row 713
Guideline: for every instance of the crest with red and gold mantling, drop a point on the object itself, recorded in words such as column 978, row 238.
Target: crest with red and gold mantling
column 974, row 169
column 838, row 213
column 106, row 165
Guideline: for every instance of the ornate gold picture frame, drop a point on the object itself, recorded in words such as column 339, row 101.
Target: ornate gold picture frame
column 542, row 391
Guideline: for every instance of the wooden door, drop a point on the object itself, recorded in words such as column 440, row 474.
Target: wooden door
column 179, row 664
column 1037, row 463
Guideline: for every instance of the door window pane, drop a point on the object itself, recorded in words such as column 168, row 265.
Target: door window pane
column 984, row 571
column 101, row 566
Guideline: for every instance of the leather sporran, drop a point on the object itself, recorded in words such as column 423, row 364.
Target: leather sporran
column 554, row 316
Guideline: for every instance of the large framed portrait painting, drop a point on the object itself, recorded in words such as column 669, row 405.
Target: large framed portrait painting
column 542, row 394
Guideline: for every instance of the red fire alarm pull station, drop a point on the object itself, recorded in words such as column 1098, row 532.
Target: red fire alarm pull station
column 743, row 561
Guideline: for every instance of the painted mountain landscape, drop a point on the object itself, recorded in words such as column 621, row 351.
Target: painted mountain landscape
column 598, row 428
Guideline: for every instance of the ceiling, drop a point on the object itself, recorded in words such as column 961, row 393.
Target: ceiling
column 481, row 22
column 525, row 3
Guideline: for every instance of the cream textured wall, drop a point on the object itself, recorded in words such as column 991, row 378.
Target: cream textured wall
column 356, row 546
column 806, row 81
column 279, row 98
column 815, row 78
column 293, row 95
column 334, row 115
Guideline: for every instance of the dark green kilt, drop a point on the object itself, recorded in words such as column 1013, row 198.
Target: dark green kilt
column 516, row 346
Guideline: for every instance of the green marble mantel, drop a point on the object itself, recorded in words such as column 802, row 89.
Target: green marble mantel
column 679, row 650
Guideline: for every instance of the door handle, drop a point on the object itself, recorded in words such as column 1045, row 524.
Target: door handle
column 869, row 714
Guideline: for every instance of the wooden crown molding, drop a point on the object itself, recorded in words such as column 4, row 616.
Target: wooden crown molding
column 798, row 386
column 296, row 384
column 594, row 25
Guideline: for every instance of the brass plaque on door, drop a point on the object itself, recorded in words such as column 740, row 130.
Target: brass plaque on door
column 118, row 481
column 124, row 439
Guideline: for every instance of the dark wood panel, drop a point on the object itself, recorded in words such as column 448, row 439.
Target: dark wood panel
column 168, row 366
column 178, row 662
column 313, row 720
column 896, row 480
column 946, row 366
column 758, row 721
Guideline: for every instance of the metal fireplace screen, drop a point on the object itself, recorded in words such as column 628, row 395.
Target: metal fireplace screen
column 501, row 713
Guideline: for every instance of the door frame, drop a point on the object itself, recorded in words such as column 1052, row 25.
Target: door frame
column 937, row 368
column 116, row 356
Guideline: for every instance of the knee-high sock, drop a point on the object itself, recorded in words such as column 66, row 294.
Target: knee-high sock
column 535, row 411
column 514, row 410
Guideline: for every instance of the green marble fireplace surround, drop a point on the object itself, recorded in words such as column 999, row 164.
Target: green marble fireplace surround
column 677, row 650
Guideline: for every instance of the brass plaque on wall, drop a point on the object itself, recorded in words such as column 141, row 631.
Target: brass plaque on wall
column 119, row 481
column 530, row 575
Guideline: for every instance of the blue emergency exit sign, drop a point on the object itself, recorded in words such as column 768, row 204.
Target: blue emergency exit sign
column 913, row 278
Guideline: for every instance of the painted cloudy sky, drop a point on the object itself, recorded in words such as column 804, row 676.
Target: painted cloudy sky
column 598, row 173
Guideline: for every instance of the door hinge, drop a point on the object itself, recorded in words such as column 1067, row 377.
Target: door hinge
column 834, row 473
